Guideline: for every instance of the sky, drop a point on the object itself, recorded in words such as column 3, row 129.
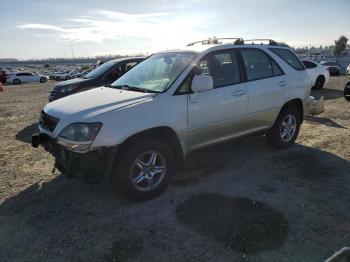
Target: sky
column 32, row 29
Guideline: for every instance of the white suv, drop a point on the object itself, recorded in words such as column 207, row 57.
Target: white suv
column 143, row 126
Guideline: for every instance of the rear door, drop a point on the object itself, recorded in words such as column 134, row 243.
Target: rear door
column 268, row 87
column 216, row 114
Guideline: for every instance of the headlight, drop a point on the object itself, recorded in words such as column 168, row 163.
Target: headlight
column 68, row 89
column 79, row 136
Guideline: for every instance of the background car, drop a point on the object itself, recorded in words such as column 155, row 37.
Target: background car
column 25, row 77
column 348, row 70
column 318, row 73
column 332, row 67
column 347, row 91
column 102, row 75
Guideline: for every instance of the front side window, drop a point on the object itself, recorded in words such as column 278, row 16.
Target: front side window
column 156, row 73
column 222, row 66
column 258, row 65
column 289, row 57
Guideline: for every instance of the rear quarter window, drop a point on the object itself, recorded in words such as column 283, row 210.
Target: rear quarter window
column 289, row 57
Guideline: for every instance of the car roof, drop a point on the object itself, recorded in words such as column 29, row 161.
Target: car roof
column 212, row 47
column 138, row 58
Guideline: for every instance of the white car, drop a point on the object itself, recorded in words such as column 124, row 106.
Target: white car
column 144, row 125
column 318, row 73
column 25, row 77
column 348, row 70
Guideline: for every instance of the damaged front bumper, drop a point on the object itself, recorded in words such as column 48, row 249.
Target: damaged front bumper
column 314, row 106
column 91, row 166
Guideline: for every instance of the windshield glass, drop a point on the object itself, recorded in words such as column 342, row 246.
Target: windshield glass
column 156, row 73
column 98, row 71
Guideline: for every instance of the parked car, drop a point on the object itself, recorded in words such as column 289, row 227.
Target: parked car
column 348, row 70
column 332, row 67
column 318, row 73
column 80, row 74
column 65, row 75
column 347, row 91
column 144, row 125
column 25, row 77
column 102, row 75
column 2, row 76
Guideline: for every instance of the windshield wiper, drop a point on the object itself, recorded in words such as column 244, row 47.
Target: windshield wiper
column 134, row 88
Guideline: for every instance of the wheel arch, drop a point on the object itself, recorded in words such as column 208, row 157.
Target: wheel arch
column 164, row 133
column 298, row 103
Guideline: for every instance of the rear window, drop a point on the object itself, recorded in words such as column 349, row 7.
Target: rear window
column 289, row 57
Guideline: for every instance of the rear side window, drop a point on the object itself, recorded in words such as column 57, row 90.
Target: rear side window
column 258, row 65
column 289, row 58
column 222, row 66
column 309, row 64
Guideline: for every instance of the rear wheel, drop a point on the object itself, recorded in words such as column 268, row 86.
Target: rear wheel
column 319, row 83
column 43, row 79
column 16, row 81
column 144, row 170
column 286, row 128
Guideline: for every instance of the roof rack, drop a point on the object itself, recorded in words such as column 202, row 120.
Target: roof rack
column 217, row 41
column 238, row 41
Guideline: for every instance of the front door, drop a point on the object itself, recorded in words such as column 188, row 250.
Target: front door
column 217, row 114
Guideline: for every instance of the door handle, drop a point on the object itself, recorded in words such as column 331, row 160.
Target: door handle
column 239, row 93
column 283, row 83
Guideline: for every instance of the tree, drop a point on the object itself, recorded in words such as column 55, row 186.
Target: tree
column 340, row 46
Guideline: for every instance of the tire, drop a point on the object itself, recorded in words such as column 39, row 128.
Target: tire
column 16, row 81
column 135, row 184
column 275, row 135
column 43, row 80
column 57, row 78
column 347, row 91
column 319, row 83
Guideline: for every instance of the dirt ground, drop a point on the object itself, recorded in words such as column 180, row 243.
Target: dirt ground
column 238, row 201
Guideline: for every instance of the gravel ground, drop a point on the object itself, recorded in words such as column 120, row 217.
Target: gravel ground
column 238, row 201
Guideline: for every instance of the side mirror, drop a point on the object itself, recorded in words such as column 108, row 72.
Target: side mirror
column 202, row 83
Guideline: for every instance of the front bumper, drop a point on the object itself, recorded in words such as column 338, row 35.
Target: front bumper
column 91, row 166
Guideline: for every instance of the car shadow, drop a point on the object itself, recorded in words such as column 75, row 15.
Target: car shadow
column 25, row 135
column 328, row 93
column 323, row 121
column 82, row 220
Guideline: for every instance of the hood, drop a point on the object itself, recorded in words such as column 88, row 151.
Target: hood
column 84, row 105
column 75, row 81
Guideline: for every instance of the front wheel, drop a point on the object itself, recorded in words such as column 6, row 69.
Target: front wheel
column 144, row 170
column 286, row 128
column 43, row 79
column 16, row 82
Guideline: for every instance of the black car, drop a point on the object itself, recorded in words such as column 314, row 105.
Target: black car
column 332, row 67
column 102, row 75
column 347, row 91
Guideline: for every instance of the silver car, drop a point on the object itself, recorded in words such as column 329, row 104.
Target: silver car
column 144, row 125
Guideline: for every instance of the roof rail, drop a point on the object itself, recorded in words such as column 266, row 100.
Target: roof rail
column 238, row 41
column 217, row 41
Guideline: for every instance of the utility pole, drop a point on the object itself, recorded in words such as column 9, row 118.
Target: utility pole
column 71, row 47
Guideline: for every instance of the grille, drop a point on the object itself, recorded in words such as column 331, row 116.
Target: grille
column 48, row 122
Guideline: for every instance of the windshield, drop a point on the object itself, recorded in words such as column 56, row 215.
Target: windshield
column 156, row 73
column 98, row 71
